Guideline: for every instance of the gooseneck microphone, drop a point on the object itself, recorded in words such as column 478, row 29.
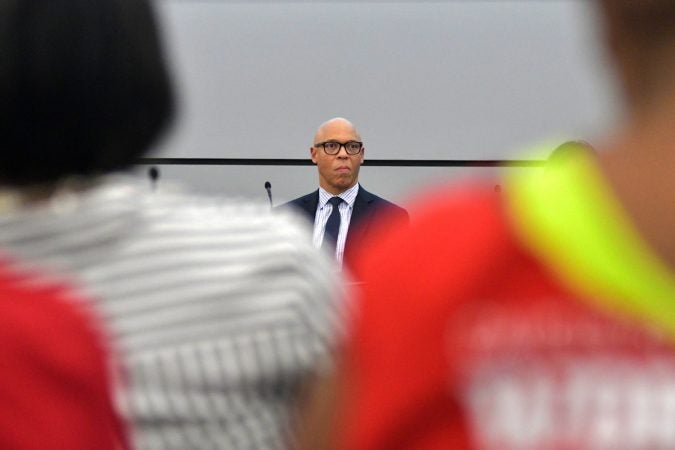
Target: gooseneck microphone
column 268, row 188
column 153, row 173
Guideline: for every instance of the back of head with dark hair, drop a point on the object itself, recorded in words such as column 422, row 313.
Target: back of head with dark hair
column 647, row 22
column 640, row 35
column 571, row 149
column 84, row 88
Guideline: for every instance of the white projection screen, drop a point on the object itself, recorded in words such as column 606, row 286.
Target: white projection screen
column 422, row 80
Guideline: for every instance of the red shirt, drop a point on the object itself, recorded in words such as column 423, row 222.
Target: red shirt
column 469, row 337
column 54, row 385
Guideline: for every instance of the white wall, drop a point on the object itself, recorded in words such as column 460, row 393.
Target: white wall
column 421, row 79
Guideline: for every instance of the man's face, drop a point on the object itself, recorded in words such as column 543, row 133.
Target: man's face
column 339, row 172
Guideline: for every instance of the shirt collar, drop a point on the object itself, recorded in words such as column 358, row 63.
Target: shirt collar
column 349, row 196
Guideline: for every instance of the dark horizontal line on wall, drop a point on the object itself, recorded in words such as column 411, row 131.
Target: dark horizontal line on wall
column 345, row 1
column 367, row 162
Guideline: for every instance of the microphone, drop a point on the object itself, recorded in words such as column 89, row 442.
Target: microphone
column 268, row 188
column 153, row 173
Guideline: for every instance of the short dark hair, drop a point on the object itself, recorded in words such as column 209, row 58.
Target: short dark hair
column 645, row 22
column 84, row 87
column 570, row 149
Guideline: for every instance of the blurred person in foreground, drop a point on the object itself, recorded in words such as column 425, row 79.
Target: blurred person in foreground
column 341, row 210
column 542, row 318
column 55, row 390
column 221, row 311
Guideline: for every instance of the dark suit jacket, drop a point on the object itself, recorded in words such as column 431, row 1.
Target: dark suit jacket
column 366, row 207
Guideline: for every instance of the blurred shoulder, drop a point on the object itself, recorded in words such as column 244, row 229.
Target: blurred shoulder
column 176, row 205
column 450, row 225
column 382, row 204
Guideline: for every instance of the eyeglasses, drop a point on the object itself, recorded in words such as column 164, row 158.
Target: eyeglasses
column 333, row 147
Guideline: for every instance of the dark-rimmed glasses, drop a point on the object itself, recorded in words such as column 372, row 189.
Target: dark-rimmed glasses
column 333, row 147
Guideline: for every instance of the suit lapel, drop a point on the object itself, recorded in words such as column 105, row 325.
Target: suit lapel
column 309, row 204
column 361, row 205
column 361, row 215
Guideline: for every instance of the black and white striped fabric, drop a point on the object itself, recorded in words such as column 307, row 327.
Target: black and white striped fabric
column 218, row 310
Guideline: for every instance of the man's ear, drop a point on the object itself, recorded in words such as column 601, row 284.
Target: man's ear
column 312, row 152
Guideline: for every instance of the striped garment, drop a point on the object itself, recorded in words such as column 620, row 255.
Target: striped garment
column 219, row 310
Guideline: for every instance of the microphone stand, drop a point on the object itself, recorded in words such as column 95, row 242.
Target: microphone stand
column 268, row 188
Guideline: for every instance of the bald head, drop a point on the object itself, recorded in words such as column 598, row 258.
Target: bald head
column 336, row 126
column 337, row 171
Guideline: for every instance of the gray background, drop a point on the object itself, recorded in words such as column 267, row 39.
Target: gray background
column 421, row 80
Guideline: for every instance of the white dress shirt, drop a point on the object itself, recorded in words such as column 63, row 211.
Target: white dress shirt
column 323, row 211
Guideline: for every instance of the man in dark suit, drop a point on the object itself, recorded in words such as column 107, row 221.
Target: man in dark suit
column 341, row 210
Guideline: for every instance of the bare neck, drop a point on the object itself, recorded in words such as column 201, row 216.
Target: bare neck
column 640, row 167
column 12, row 197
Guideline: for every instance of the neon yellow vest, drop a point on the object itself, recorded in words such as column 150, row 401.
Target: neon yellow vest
column 567, row 214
